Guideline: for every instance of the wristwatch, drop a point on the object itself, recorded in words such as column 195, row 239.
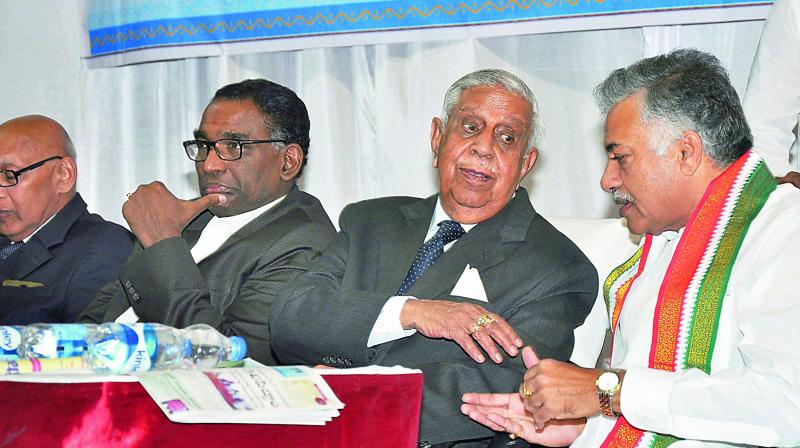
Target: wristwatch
column 608, row 384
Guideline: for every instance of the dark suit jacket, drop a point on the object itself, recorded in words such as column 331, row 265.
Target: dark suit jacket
column 533, row 275
column 233, row 288
column 72, row 257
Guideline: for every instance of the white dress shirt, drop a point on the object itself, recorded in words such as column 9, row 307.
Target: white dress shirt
column 218, row 230
column 772, row 101
column 388, row 327
column 752, row 395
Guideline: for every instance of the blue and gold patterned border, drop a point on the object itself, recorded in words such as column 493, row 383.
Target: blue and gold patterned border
column 116, row 26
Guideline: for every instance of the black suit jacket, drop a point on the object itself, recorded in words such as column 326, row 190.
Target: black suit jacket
column 63, row 265
column 533, row 276
column 231, row 289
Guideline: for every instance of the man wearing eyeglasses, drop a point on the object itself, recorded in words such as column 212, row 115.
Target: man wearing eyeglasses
column 54, row 254
column 250, row 233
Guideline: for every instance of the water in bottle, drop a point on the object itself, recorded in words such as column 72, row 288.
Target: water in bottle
column 208, row 347
column 53, row 340
column 121, row 348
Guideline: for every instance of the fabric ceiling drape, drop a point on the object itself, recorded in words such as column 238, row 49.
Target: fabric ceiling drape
column 370, row 106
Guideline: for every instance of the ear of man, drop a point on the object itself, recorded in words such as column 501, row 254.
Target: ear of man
column 291, row 162
column 690, row 152
column 436, row 139
column 66, row 175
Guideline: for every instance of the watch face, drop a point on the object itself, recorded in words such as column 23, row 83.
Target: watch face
column 607, row 381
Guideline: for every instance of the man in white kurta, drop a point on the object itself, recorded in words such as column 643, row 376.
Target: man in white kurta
column 679, row 164
column 752, row 394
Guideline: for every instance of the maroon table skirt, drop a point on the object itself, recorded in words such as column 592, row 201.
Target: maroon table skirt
column 380, row 411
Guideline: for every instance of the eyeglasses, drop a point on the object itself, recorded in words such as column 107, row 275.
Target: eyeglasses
column 226, row 148
column 9, row 178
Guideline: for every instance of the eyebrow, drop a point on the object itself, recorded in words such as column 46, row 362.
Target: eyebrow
column 611, row 146
column 475, row 111
column 198, row 134
column 235, row 135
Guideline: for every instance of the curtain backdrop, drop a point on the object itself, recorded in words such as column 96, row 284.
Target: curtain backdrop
column 136, row 31
column 370, row 106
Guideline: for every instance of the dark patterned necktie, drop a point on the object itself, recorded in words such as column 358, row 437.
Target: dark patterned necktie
column 9, row 249
column 448, row 231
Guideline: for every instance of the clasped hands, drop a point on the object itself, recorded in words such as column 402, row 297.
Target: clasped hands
column 550, row 408
column 463, row 323
column 154, row 214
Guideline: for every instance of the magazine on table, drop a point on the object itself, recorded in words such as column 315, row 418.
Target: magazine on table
column 292, row 395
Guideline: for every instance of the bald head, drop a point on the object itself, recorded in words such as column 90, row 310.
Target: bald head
column 43, row 132
column 38, row 153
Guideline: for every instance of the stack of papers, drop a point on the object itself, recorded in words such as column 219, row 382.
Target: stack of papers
column 293, row 395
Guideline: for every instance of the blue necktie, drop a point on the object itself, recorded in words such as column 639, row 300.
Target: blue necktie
column 448, row 231
column 9, row 249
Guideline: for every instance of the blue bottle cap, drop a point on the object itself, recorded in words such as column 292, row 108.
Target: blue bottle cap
column 238, row 348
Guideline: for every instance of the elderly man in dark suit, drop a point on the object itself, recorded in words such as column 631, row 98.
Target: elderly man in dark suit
column 424, row 282
column 54, row 254
column 258, row 233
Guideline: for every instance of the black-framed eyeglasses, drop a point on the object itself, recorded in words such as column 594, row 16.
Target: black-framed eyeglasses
column 226, row 148
column 9, row 178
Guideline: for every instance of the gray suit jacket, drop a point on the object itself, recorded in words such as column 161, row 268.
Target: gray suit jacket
column 233, row 288
column 533, row 275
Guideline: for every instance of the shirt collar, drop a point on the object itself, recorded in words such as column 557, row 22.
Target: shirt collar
column 240, row 220
column 440, row 215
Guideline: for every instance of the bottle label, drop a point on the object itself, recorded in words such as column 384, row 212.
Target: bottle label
column 131, row 349
column 146, row 349
column 61, row 340
column 9, row 342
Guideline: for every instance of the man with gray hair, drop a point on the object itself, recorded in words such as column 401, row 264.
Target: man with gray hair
column 704, row 315
column 424, row 282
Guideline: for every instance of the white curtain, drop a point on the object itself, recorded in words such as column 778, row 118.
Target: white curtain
column 370, row 106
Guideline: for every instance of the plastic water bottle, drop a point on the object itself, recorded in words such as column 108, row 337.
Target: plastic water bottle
column 53, row 340
column 122, row 348
column 208, row 347
column 10, row 337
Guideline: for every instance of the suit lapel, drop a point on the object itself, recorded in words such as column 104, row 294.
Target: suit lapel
column 193, row 230
column 37, row 250
column 397, row 252
column 248, row 229
column 487, row 244
column 25, row 260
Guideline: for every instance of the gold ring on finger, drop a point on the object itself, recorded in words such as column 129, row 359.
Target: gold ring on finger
column 482, row 321
column 525, row 391
column 517, row 435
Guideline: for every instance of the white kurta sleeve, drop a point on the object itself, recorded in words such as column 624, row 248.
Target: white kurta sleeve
column 755, row 397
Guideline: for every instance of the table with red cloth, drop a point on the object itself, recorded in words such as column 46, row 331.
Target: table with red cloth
column 380, row 411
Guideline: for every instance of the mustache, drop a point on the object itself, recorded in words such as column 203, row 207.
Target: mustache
column 620, row 197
